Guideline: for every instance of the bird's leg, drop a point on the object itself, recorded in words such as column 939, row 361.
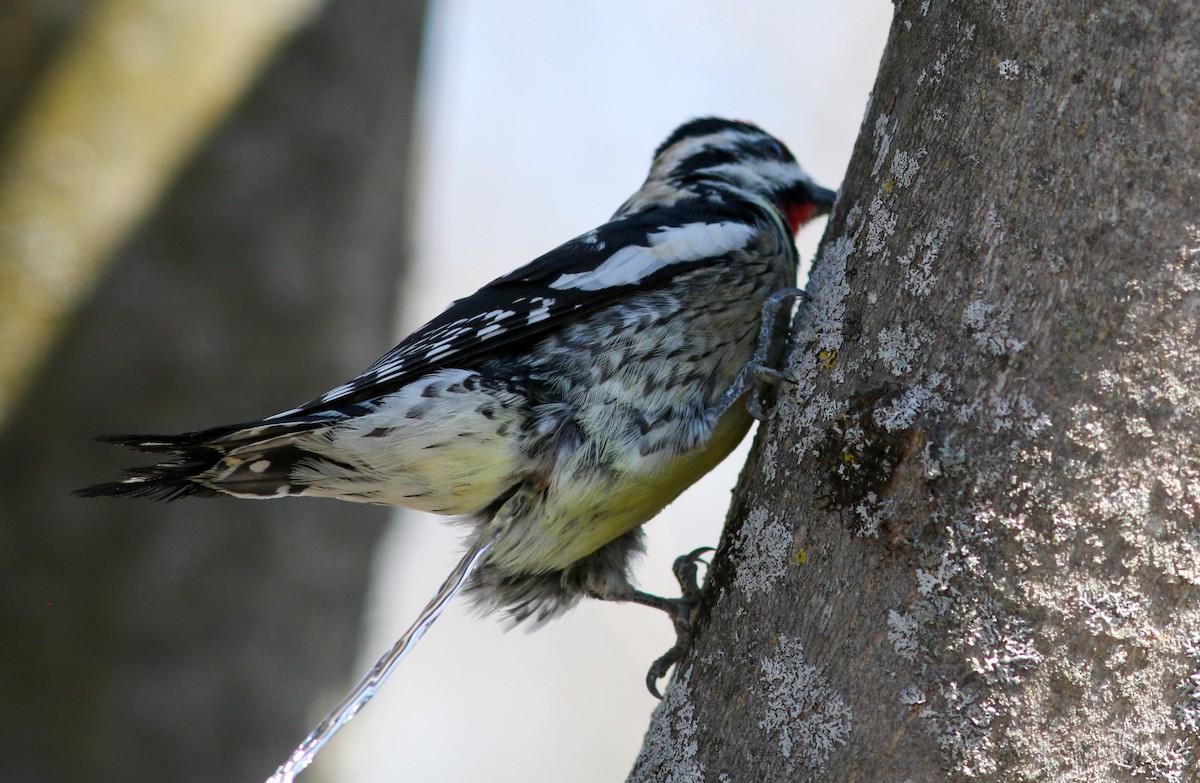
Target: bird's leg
column 680, row 610
column 761, row 370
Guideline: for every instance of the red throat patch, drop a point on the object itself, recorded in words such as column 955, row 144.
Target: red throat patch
column 799, row 214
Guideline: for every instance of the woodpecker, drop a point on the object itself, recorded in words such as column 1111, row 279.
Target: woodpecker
column 562, row 405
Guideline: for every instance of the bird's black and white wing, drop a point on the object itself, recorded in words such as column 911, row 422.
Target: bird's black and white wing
column 639, row 251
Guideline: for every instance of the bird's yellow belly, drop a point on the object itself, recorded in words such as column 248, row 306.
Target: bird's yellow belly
column 572, row 525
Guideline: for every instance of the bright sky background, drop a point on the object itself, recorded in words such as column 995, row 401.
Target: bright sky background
column 538, row 118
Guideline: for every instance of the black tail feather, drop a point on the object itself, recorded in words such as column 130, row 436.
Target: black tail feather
column 159, row 488
column 190, row 455
column 170, row 444
column 149, row 443
column 165, row 481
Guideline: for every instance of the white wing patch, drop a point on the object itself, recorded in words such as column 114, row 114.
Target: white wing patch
column 490, row 330
column 670, row 245
column 539, row 309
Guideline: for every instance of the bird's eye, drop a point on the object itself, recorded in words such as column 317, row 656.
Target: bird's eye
column 773, row 148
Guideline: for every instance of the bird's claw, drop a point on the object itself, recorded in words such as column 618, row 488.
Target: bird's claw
column 686, row 573
column 763, row 377
column 660, row 667
column 761, row 372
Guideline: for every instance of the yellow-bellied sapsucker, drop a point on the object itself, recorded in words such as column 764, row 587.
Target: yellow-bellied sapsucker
column 567, row 402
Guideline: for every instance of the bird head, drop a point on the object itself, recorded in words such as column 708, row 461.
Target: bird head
column 715, row 154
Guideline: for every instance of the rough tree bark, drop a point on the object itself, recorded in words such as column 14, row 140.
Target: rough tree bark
column 967, row 545
column 199, row 641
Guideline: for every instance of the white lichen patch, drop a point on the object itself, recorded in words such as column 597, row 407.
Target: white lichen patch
column 902, row 412
column 770, row 461
column 936, row 582
column 819, row 333
column 899, row 346
column 989, row 326
column 764, row 545
column 911, row 696
column 1009, row 69
column 1187, row 711
column 804, row 714
column 919, row 257
column 1014, row 413
column 881, row 224
column 1007, row 650
column 1086, row 429
column 901, row 628
column 939, row 66
column 905, row 167
column 962, row 729
column 1108, row 612
column 829, row 290
column 1168, row 764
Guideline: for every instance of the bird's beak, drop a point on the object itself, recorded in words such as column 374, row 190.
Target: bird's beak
column 822, row 198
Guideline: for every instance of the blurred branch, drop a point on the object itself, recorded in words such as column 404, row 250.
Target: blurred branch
column 118, row 113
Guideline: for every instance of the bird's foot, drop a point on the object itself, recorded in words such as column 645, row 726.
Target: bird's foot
column 761, row 374
column 680, row 609
column 763, row 378
column 762, row 370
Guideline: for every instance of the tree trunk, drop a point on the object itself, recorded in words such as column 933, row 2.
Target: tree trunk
column 966, row 546
column 200, row 641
